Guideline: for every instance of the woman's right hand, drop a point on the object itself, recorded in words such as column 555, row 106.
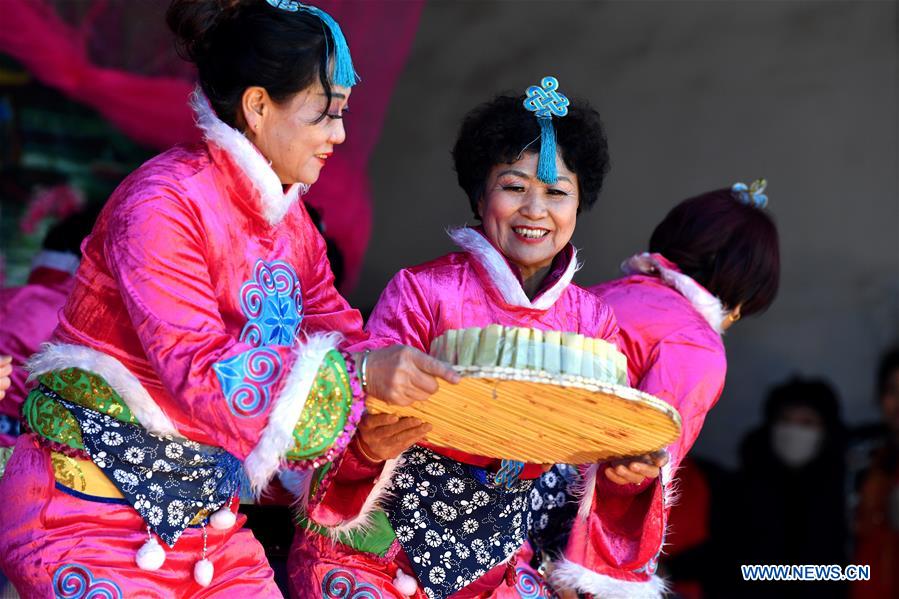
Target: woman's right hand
column 385, row 436
column 635, row 470
column 401, row 375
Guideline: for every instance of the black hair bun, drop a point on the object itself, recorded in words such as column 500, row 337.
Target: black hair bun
column 192, row 22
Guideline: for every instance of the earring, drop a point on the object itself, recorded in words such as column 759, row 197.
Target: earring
column 734, row 317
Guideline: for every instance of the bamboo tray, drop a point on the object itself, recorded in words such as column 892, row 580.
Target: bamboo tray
column 534, row 416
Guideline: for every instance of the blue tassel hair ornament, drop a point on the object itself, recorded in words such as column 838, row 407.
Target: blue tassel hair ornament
column 546, row 102
column 344, row 73
column 753, row 195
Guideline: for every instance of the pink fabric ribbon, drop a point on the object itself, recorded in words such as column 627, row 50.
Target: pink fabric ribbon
column 153, row 110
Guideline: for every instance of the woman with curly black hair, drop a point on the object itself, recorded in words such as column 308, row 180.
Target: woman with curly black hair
column 446, row 531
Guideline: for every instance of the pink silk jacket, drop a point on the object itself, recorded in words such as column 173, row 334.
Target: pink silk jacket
column 670, row 330
column 206, row 302
column 28, row 316
column 472, row 288
column 224, row 281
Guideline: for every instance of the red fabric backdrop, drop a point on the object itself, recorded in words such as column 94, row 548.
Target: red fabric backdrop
column 152, row 109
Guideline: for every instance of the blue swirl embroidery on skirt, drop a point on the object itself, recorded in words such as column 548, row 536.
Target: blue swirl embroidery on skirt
column 339, row 583
column 74, row 581
column 529, row 586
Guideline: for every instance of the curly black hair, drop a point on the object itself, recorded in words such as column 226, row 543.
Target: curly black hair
column 496, row 132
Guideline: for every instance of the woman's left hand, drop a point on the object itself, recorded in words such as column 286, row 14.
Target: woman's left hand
column 385, row 436
column 633, row 471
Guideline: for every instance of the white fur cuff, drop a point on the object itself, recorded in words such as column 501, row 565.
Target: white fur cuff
column 59, row 356
column 567, row 575
column 277, row 436
column 362, row 520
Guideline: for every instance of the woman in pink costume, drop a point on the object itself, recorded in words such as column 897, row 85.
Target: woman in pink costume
column 713, row 259
column 29, row 314
column 434, row 522
column 202, row 344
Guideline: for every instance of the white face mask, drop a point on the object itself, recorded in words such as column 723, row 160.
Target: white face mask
column 796, row 444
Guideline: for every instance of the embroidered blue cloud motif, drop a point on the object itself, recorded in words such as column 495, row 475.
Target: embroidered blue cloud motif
column 339, row 583
column 246, row 380
column 272, row 301
column 74, row 581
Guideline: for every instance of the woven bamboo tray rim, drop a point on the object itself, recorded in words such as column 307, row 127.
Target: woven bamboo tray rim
column 528, row 375
column 577, row 431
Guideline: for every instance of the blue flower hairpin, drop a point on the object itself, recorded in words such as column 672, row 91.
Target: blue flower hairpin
column 753, row 195
column 546, row 102
column 344, row 73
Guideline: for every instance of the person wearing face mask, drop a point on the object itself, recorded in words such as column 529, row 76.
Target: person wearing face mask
column 441, row 525
column 876, row 521
column 791, row 486
column 203, row 343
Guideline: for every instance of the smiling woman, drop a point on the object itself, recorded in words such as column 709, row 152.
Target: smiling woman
column 497, row 162
column 453, row 523
column 528, row 220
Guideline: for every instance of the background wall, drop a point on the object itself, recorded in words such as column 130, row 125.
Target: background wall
column 695, row 96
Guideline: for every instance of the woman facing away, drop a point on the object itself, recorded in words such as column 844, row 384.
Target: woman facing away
column 204, row 341
column 436, row 522
column 713, row 259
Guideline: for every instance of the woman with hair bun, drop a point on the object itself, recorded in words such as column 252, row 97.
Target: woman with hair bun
column 713, row 259
column 204, row 343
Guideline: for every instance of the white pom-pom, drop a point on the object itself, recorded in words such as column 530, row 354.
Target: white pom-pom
column 405, row 584
column 150, row 556
column 223, row 519
column 203, row 572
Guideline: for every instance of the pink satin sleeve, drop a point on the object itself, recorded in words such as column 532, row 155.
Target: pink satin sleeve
column 324, row 309
column 28, row 316
column 155, row 251
column 690, row 377
column 401, row 316
column 626, row 522
column 347, row 490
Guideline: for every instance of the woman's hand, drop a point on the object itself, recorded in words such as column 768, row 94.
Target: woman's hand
column 5, row 374
column 635, row 470
column 385, row 436
column 401, row 375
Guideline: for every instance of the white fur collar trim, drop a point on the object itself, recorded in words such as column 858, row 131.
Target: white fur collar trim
column 503, row 277
column 274, row 202
column 58, row 356
column 709, row 306
column 567, row 575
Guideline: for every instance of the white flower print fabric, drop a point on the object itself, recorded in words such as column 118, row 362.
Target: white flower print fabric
column 451, row 518
column 168, row 481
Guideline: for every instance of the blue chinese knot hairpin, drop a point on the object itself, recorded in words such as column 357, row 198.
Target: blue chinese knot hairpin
column 753, row 195
column 344, row 73
column 545, row 101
